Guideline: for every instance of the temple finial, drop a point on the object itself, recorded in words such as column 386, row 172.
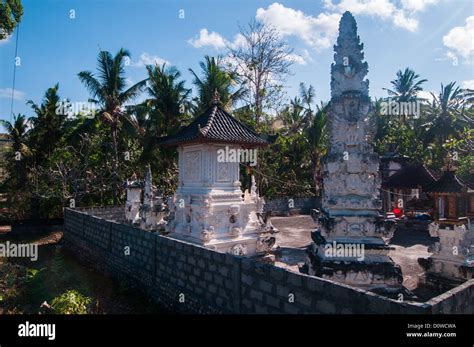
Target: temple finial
column 216, row 98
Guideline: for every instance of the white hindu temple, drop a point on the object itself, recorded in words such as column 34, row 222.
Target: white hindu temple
column 209, row 207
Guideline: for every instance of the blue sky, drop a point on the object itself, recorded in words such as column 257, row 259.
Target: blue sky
column 433, row 37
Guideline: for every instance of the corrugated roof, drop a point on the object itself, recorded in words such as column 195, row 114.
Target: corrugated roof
column 448, row 183
column 412, row 176
column 217, row 126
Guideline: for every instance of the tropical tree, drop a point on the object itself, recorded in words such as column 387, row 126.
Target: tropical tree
column 449, row 114
column 16, row 158
column 215, row 78
column 109, row 91
column 11, row 12
column 17, row 166
column 162, row 114
column 406, row 86
column 318, row 136
column 262, row 60
column 47, row 125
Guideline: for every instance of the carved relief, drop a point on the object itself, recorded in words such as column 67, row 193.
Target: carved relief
column 192, row 166
column 223, row 172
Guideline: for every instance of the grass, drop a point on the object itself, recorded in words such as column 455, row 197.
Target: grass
column 58, row 283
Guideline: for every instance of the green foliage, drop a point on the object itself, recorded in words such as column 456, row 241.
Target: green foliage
column 71, row 302
column 11, row 12
column 81, row 157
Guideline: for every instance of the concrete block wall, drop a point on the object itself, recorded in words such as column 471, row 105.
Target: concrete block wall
column 280, row 206
column 183, row 277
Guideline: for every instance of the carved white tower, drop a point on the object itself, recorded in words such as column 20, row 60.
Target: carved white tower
column 350, row 205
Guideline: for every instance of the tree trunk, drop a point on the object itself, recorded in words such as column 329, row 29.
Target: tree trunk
column 114, row 164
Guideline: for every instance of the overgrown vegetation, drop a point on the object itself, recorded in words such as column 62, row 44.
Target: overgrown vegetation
column 57, row 158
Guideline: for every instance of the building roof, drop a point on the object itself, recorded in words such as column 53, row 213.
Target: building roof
column 215, row 126
column 412, row 176
column 448, row 183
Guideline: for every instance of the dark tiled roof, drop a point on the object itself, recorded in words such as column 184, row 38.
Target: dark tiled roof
column 448, row 183
column 217, row 126
column 412, row 176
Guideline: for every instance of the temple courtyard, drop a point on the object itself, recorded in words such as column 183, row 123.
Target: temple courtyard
column 408, row 245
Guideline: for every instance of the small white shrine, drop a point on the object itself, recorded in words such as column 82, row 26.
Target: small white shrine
column 209, row 207
column 132, row 206
column 453, row 255
column 150, row 213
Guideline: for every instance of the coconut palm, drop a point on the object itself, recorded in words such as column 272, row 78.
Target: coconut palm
column 109, row 92
column 406, row 86
column 448, row 112
column 214, row 79
column 16, row 158
column 317, row 135
column 169, row 98
column 47, row 125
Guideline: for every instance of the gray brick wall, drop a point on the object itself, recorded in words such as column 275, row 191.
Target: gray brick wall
column 183, row 277
column 281, row 206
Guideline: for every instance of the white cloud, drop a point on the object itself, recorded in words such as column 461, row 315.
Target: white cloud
column 460, row 40
column 424, row 94
column 7, row 93
column 318, row 32
column 417, row 5
column 6, row 40
column 208, row 39
column 148, row 59
column 300, row 59
column 469, row 84
column 388, row 10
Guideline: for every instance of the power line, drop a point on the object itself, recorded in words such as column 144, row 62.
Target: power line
column 14, row 71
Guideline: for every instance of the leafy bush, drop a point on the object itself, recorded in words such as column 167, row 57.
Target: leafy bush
column 71, row 302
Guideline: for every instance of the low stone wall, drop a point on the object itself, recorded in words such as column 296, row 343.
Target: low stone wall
column 287, row 205
column 187, row 278
column 116, row 213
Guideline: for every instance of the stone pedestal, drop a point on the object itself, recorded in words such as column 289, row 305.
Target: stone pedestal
column 453, row 255
column 209, row 207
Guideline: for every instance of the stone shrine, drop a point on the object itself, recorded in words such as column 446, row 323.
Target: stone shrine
column 132, row 206
column 453, row 255
column 150, row 213
column 349, row 243
column 209, row 207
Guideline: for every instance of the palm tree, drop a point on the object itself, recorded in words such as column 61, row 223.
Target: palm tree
column 168, row 98
column 108, row 90
column 318, row 137
column 47, row 125
column 17, row 132
column 449, row 112
column 160, row 115
column 214, row 79
column 406, row 87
